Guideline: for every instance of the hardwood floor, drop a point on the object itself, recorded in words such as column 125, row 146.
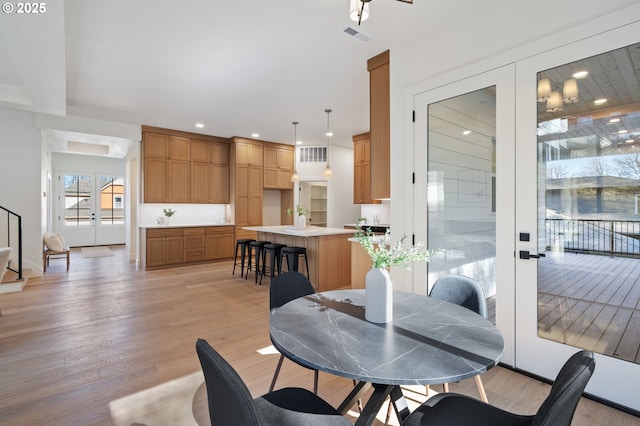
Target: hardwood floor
column 108, row 344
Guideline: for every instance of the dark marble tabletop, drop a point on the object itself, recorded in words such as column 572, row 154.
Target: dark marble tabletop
column 429, row 341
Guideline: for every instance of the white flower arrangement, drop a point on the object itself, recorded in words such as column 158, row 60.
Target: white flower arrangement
column 385, row 255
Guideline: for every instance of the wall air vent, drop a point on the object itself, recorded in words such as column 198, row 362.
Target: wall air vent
column 357, row 34
column 312, row 154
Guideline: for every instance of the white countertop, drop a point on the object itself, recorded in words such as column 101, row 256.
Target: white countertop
column 310, row 231
column 190, row 225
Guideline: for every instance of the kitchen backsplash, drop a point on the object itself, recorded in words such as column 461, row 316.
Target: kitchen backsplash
column 377, row 214
column 186, row 214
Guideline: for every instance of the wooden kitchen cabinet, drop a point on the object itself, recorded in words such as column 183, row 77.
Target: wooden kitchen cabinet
column 362, row 169
column 166, row 174
column 379, row 119
column 219, row 242
column 209, row 172
column 278, row 167
column 164, row 247
column 247, row 183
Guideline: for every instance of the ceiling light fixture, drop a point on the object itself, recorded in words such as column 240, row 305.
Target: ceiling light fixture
column 544, row 90
column 466, row 132
column 199, row 125
column 255, row 135
column 600, row 101
column 327, row 170
column 359, row 9
column 580, row 74
column 614, row 120
column 554, row 103
column 294, row 176
column 570, row 91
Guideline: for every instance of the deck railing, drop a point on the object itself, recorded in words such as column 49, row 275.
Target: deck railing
column 602, row 237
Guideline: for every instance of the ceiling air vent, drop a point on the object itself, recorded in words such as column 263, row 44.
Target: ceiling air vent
column 357, row 34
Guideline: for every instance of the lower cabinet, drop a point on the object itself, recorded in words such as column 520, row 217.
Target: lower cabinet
column 164, row 247
column 173, row 246
column 219, row 242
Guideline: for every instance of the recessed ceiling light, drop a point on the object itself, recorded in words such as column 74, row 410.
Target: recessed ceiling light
column 298, row 142
column 614, row 120
column 620, row 132
column 580, row 74
column 199, row 125
column 600, row 101
column 255, row 135
column 630, row 141
column 466, row 132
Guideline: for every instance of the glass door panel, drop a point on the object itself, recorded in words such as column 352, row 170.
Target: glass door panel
column 460, row 191
column 464, row 188
column 583, row 291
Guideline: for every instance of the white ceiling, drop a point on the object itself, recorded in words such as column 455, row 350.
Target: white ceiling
column 238, row 67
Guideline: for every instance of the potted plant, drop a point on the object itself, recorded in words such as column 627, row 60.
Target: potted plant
column 302, row 213
column 384, row 255
column 167, row 215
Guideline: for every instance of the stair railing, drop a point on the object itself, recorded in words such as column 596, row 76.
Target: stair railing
column 14, row 226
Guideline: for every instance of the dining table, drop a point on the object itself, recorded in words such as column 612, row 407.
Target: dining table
column 428, row 341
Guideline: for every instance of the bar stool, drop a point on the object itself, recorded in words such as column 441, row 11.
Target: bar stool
column 275, row 259
column 243, row 245
column 255, row 246
column 292, row 254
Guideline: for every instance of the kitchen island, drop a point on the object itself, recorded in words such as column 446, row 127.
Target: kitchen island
column 328, row 251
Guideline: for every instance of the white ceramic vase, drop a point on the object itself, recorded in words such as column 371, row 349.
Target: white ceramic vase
column 378, row 296
column 167, row 220
column 302, row 221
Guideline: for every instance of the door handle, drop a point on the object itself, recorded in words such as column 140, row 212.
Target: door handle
column 524, row 254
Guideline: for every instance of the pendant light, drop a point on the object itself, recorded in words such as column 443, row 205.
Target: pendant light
column 294, row 176
column 327, row 171
column 570, row 91
column 359, row 10
column 544, row 90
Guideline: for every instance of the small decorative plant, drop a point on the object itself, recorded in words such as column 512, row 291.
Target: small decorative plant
column 385, row 255
column 169, row 212
column 299, row 211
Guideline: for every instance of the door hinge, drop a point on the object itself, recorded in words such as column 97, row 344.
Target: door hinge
column 413, row 239
column 413, row 116
column 413, row 178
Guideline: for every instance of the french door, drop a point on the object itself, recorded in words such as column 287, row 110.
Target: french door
column 91, row 208
column 577, row 223
column 464, row 135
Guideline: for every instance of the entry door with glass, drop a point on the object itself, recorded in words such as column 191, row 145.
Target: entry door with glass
column 578, row 223
column 91, row 209
column 464, row 188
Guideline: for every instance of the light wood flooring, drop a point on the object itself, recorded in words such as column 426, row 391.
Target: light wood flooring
column 108, row 344
column 591, row 302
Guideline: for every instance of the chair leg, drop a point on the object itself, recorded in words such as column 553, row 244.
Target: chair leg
column 275, row 374
column 483, row 394
column 68, row 260
column 315, row 381
column 445, row 387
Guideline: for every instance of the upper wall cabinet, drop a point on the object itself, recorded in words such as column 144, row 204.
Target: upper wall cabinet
column 379, row 119
column 362, row 169
column 180, row 167
column 209, row 172
column 278, row 167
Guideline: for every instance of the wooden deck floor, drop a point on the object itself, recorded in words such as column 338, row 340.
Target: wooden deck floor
column 108, row 344
column 591, row 302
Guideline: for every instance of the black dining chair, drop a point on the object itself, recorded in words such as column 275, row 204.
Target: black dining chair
column 468, row 293
column 231, row 403
column 558, row 408
column 284, row 288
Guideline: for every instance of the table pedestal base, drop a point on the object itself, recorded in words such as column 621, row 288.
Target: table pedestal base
column 375, row 402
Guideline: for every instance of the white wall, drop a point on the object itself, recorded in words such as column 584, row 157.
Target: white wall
column 340, row 207
column 495, row 34
column 22, row 180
